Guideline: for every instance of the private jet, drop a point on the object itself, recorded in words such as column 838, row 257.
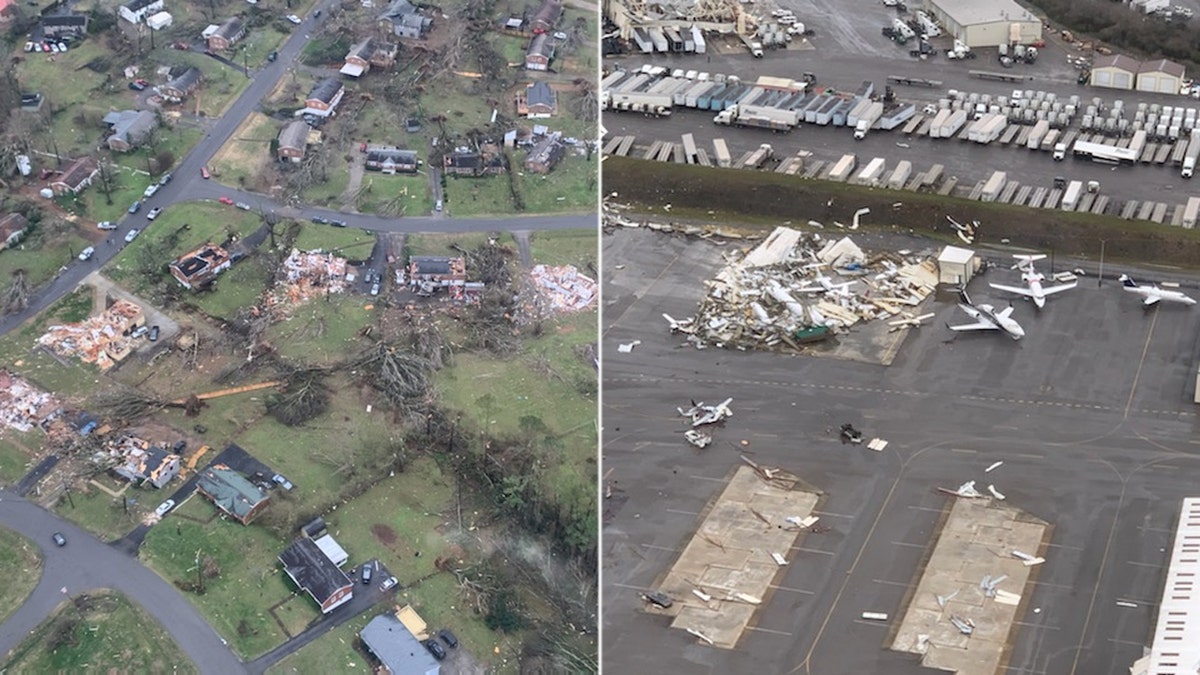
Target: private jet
column 1152, row 294
column 987, row 318
column 1033, row 280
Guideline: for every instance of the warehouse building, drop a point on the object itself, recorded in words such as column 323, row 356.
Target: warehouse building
column 1160, row 77
column 986, row 23
column 1114, row 72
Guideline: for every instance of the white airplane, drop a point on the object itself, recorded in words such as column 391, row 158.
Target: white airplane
column 1152, row 294
column 707, row 414
column 987, row 318
column 1033, row 279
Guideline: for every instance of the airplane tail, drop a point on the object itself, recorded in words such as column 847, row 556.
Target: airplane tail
column 962, row 293
column 1127, row 281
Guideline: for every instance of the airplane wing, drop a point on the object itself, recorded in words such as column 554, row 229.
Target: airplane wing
column 1013, row 289
column 1151, row 299
column 1059, row 289
column 1005, row 313
column 982, row 325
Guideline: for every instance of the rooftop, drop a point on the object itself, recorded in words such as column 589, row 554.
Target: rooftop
column 1162, row 66
column 313, row 571
column 396, row 648
column 1116, row 61
column 970, row 12
column 230, row 491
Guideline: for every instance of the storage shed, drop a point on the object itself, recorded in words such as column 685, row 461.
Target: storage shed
column 956, row 265
column 986, row 23
column 1114, row 72
column 1160, row 77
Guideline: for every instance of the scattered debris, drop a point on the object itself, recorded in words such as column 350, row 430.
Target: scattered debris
column 779, row 560
column 967, row 490
column 701, row 414
column 658, row 598
column 700, row 635
column 698, row 438
column 627, row 347
column 922, row 643
column 24, row 406
column 993, row 467
column 104, row 339
column 565, row 289
column 850, row 434
column 1029, row 560
column 943, row 599
column 1126, row 603
column 306, row 276
column 995, row 493
column 701, row 594
column 806, row 522
column 875, row 616
column 1007, row 598
column 877, row 444
column 964, row 626
column 988, row 585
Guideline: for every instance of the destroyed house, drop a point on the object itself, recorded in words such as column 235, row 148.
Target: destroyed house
column 366, row 54
column 23, row 406
column 225, row 35
column 77, row 176
column 547, row 16
column 441, row 269
column 390, row 159
column 232, row 493
column 179, row 87
column 314, row 573
column 130, row 128
column 545, row 155
column 540, row 53
column 324, row 97
column 540, row 100
column 293, row 142
column 140, row 462
column 398, row 651
column 65, row 25
column 136, row 11
column 198, row 268
column 12, row 228
column 405, row 20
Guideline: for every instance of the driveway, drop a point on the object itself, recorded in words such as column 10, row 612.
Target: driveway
column 86, row 564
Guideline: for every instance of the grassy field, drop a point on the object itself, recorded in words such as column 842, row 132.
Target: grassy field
column 482, row 196
column 14, row 461
column 439, row 244
column 71, row 382
column 41, row 257
column 571, row 187
column 104, row 515
column 348, row 242
column 20, row 562
column 410, row 192
column 108, row 634
column 338, row 178
column 239, row 286
column 247, row 151
column 330, row 653
column 566, row 247
column 323, row 330
column 237, row 601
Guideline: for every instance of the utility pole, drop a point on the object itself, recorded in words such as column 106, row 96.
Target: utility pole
column 69, row 499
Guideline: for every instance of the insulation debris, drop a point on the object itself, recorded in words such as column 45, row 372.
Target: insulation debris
column 564, row 288
column 627, row 347
column 103, row 340
column 1028, row 560
column 794, row 288
column 877, row 444
column 698, row 438
column 993, row 467
column 805, row 522
column 995, row 493
column 701, row 414
column 308, row 275
column 24, row 406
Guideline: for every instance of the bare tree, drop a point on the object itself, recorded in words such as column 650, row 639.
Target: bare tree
column 16, row 296
column 109, row 179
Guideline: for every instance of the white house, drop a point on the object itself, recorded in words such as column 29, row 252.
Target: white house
column 136, row 11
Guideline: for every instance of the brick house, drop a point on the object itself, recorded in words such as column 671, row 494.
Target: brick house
column 293, row 142
column 314, row 573
column 539, row 100
column 136, row 11
column 232, row 493
column 130, row 128
column 179, row 87
column 76, row 177
column 390, row 159
column 545, row 155
column 225, row 35
column 198, row 268
column 65, row 25
column 540, row 53
column 324, row 97
column 547, row 16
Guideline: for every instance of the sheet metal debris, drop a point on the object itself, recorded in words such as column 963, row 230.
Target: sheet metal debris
column 701, row 414
column 698, row 438
column 1028, row 560
column 794, row 288
column 995, row 493
column 993, row 467
column 964, row 626
column 779, row 560
column 563, row 287
column 627, row 347
column 877, row 444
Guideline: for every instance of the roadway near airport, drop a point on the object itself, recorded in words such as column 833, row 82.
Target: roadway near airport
column 784, row 549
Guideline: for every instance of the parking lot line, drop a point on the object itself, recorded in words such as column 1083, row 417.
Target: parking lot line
column 768, row 630
column 827, row 514
column 1035, row 625
column 884, row 624
column 790, row 589
column 660, row 548
column 1047, row 584
column 1025, row 671
column 902, row 584
column 718, row 480
column 682, row 512
column 1066, row 547
column 812, row 550
column 1143, row 564
column 1137, row 374
column 1131, row 643
column 965, row 451
column 905, row 543
column 924, row 508
column 1028, row 455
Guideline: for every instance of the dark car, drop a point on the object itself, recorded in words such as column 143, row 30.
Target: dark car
column 436, row 649
column 320, row 221
column 272, row 56
column 135, row 207
column 658, row 598
column 448, row 638
column 154, row 333
column 59, row 539
column 137, row 86
column 337, row 223
column 366, row 573
column 179, row 446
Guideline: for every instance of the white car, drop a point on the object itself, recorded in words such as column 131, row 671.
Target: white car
column 106, row 225
column 164, row 507
column 293, row 18
column 151, row 190
column 131, row 236
column 87, row 253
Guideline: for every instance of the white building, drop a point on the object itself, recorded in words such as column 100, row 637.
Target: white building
column 986, row 23
column 956, row 265
column 1114, row 72
column 136, row 11
column 1161, row 77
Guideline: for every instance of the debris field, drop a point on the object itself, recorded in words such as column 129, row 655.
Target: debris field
column 24, row 406
column 306, row 275
column 563, row 287
column 795, row 288
column 103, row 340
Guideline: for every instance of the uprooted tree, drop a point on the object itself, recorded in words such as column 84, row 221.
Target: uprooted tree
column 304, row 397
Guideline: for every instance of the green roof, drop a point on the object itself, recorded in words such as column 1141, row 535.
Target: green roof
column 230, row 491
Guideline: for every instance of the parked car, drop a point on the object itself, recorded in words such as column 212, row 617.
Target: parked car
column 154, row 213
column 180, row 445
column 272, row 56
column 283, row 482
column 243, row 206
column 226, row 201
column 150, row 190
column 138, row 85
column 560, row 36
column 138, row 332
column 375, row 289
column 204, row 173
column 366, row 573
column 87, row 253
column 337, row 223
column 106, row 225
column 62, row 46
column 59, row 539
column 319, row 220
column 438, row 207
column 435, row 649
column 293, row 18
column 154, row 333
column 164, row 507
column 448, row 637
column 131, row 235
column 388, row 583
column 166, row 178
column 28, row 46
column 135, row 207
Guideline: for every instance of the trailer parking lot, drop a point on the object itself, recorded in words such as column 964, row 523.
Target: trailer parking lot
column 1090, row 414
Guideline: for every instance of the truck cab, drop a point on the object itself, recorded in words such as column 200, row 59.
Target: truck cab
column 1060, row 151
column 860, row 130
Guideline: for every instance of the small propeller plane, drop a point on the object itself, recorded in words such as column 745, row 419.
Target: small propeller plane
column 987, row 318
column 1033, row 280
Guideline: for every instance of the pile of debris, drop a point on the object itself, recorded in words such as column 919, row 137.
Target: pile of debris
column 104, row 339
column 778, row 295
column 563, row 288
column 24, row 406
column 139, row 461
column 308, row 275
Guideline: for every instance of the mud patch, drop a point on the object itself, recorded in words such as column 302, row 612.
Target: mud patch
column 384, row 533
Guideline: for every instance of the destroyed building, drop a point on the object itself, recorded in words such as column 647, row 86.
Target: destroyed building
column 104, row 340
column 24, row 406
column 487, row 160
column 141, row 462
column 562, row 288
column 198, row 268
column 428, row 273
column 305, row 275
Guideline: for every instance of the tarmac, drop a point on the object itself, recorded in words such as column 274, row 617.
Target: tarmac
column 1091, row 414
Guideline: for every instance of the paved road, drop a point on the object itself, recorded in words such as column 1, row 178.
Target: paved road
column 85, row 564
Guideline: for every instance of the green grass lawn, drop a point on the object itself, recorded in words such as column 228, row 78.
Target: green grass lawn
column 570, row 188
column 15, row 462
column 329, row 193
column 322, row 330
column 250, row 581
column 72, row 381
column 109, row 634
column 330, row 653
column 41, row 257
column 104, row 515
column 566, row 247
column 243, row 156
column 347, row 242
column 410, row 193
column 441, row 604
column 439, row 244
column 237, row 287
column 482, row 196
column 20, row 562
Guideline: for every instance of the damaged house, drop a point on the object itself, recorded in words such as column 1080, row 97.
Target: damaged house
column 389, row 159
column 539, row 53
column 231, row 492
column 139, row 461
column 405, row 20
column 104, row 339
column 24, row 406
column 200, row 267
column 547, row 16
column 12, row 228
column 366, row 54
column 76, row 177
column 487, row 160
column 222, row 37
column 323, row 99
column 315, row 573
column 130, row 128
column 537, row 101
column 178, row 88
column 546, row 154
column 136, row 11
column 428, row 273
column 293, row 141
column 396, row 648
column 65, row 25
